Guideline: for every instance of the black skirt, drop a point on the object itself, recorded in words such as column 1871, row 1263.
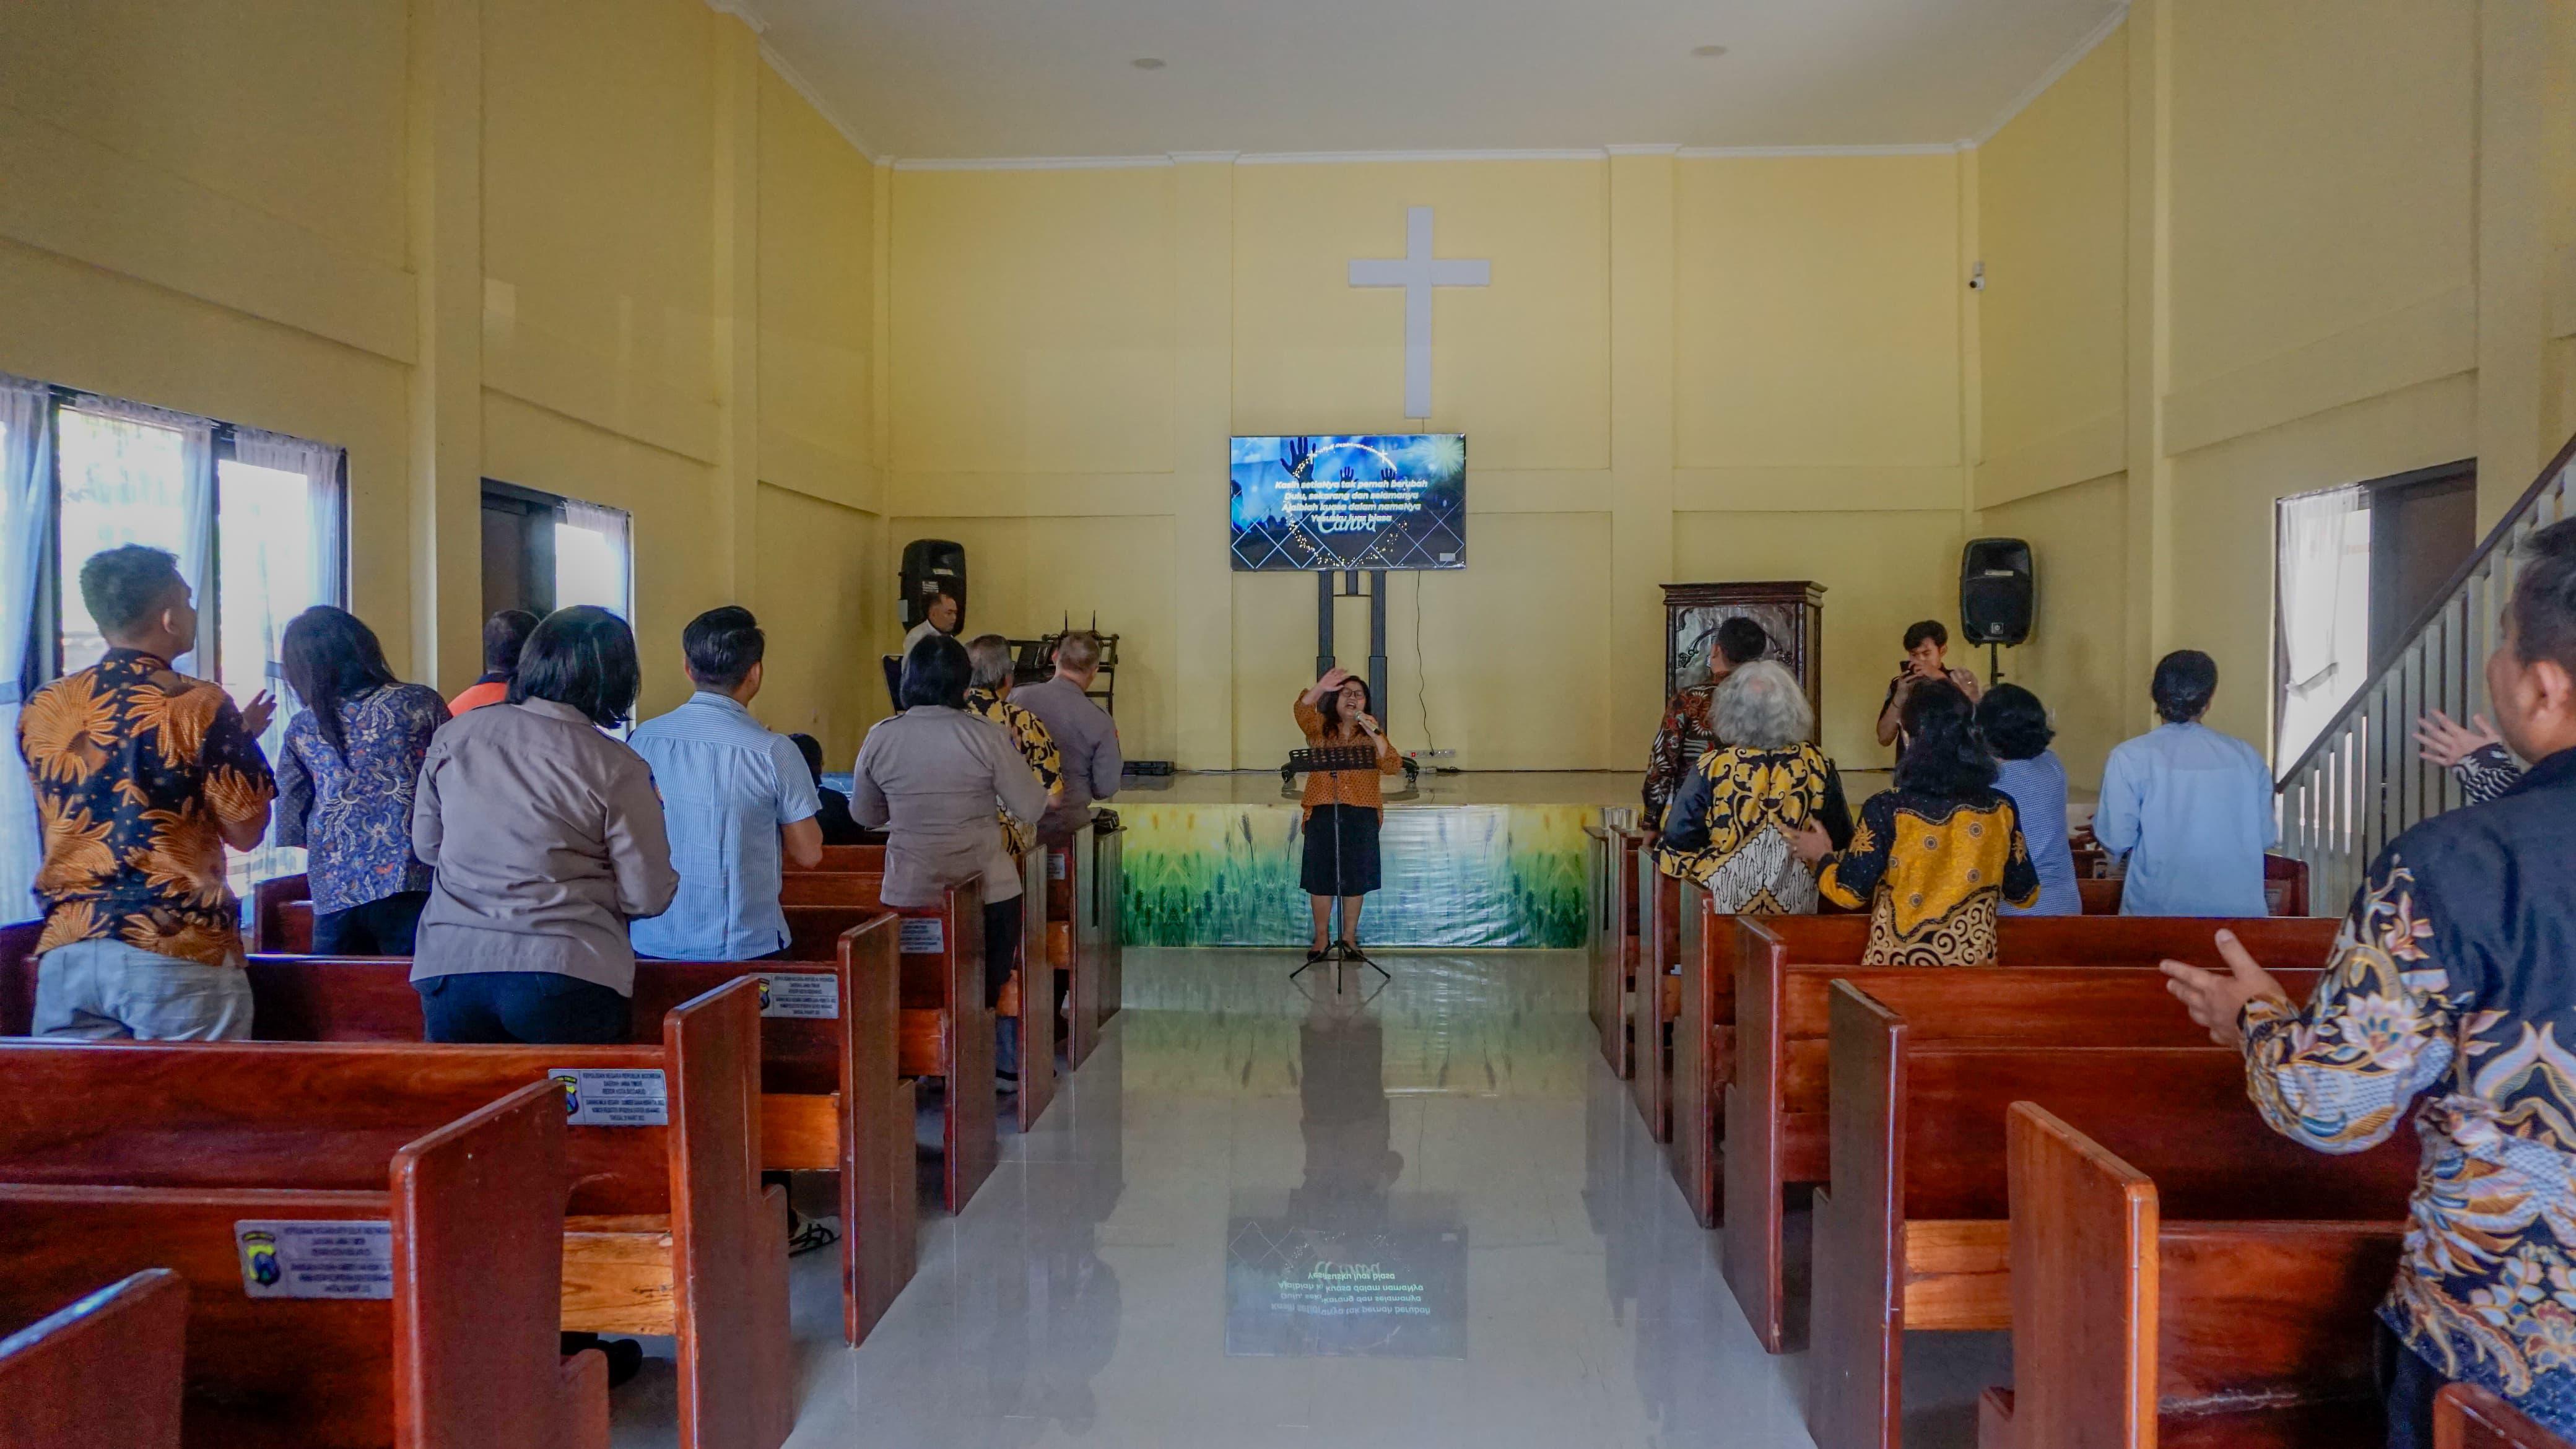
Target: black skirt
column 1341, row 851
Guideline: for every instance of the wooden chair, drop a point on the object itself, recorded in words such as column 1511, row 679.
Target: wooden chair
column 2132, row 1328
column 2468, row 1417
column 468, row 1353
column 104, row 1369
column 1913, row 1232
column 1775, row 1104
column 668, row 1230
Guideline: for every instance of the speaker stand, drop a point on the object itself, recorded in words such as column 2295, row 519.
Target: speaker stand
column 1994, row 664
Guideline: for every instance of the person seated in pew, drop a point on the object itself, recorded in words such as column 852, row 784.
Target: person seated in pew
column 931, row 778
column 834, row 816
column 2453, row 983
column 345, row 778
column 1734, row 826
column 735, row 799
column 547, row 838
column 1085, row 736
column 1687, row 732
column 1934, row 857
column 2016, row 728
column 504, row 635
column 988, row 696
column 2191, row 808
column 142, row 776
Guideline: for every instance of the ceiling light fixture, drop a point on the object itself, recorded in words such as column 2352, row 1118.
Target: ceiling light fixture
column 1147, row 62
column 1708, row 52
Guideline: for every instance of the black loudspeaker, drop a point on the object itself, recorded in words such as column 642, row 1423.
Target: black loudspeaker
column 931, row 567
column 1998, row 591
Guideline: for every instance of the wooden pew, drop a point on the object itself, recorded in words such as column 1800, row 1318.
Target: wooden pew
column 2131, row 1327
column 1074, row 948
column 851, row 859
column 1913, row 1232
column 1773, row 1111
column 1107, row 901
column 1703, row 1051
column 464, row 1353
column 1602, row 934
column 1619, row 965
column 271, row 929
column 668, row 1230
column 103, row 1370
column 2468, row 1417
column 945, row 1028
column 2285, row 889
column 1654, row 995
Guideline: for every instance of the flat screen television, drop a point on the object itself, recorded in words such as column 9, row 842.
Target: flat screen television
column 1328, row 501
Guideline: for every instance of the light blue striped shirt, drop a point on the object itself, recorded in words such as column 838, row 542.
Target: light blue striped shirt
column 727, row 786
column 2192, row 810
column 2038, row 790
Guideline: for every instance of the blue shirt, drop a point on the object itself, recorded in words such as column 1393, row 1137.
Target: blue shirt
column 2192, row 810
column 351, row 810
column 727, row 785
column 2038, row 790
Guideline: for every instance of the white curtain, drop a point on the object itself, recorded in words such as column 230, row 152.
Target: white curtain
column 595, row 568
column 2324, row 611
column 320, row 465
column 196, row 548
column 26, row 523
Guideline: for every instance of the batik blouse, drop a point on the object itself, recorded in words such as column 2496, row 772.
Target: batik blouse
column 137, row 771
column 1734, row 826
column 1683, row 737
column 2485, row 774
column 1037, row 746
column 2454, row 982
column 1932, row 869
column 351, row 810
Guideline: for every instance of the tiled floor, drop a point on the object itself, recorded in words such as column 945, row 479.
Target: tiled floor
column 1268, row 1213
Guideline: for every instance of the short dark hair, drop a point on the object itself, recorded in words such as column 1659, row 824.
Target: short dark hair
column 935, row 673
column 583, row 656
column 331, row 657
column 2185, row 679
column 125, row 585
column 504, row 635
column 1332, row 701
column 1742, row 641
column 722, row 645
column 1944, row 754
column 2015, row 723
column 812, row 749
column 2544, row 597
column 1922, row 629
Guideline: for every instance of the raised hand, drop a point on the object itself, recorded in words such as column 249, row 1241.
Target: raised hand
column 2214, row 998
column 256, row 714
column 2445, row 741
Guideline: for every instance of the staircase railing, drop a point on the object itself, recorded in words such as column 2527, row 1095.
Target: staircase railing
column 2362, row 782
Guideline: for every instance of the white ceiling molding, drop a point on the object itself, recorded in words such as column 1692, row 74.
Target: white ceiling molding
column 1030, row 163
column 741, row 12
column 1349, row 158
column 1918, row 148
column 796, row 82
column 2118, row 16
column 1205, row 158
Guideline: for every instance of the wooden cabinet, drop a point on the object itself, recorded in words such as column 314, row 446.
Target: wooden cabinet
column 1791, row 612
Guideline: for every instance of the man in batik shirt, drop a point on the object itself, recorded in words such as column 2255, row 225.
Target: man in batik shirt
column 989, row 695
column 142, row 777
column 2455, row 982
column 1688, row 731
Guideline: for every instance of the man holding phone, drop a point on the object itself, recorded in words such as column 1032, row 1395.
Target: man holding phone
column 1927, row 647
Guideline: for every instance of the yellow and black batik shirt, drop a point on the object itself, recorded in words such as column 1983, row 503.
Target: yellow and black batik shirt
column 1036, row 746
column 1734, row 824
column 1932, row 870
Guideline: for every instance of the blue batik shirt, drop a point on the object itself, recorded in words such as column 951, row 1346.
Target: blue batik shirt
column 727, row 785
column 351, row 809
column 2453, row 985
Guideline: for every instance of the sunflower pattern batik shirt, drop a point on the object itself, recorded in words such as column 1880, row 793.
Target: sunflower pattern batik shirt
column 1932, row 869
column 137, row 769
column 1036, row 746
column 1734, row 826
column 2455, row 981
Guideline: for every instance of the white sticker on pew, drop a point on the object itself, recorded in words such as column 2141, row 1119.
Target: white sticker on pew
column 316, row 1259
column 1059, row 864
column 806, row 996
column 923, row 936
column 614, row 1096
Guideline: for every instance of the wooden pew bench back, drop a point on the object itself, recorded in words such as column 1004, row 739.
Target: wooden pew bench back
column 102, row 1369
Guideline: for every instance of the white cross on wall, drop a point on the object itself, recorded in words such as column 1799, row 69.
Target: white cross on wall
column 1417, row 273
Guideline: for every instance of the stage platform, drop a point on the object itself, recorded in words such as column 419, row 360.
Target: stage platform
column 1482, row 859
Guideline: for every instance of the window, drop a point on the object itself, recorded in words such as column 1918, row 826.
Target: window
column 255, row 519
column 543, row 552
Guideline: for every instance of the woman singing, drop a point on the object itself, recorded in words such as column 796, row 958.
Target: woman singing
column 1342, row 807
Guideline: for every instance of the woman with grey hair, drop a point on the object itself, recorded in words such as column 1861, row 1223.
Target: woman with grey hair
column 1734, row 825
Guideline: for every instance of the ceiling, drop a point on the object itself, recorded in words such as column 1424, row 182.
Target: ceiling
column 973, row 79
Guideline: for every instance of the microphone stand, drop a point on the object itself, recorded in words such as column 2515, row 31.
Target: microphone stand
column 1336, row 760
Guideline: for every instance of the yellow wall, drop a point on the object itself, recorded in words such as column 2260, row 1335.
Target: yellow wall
column 1071, row 349
column 573, row 244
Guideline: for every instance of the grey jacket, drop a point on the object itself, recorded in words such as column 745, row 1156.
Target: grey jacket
column 932, row 779
column 1088, row 739
column 547, row 838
